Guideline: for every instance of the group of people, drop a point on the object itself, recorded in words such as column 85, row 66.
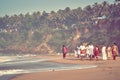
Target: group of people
column 87, row 50
column 90, row 51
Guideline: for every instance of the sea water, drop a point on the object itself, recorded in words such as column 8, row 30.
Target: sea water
column 19, row 65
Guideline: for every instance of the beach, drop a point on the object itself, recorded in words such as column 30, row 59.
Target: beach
column 105, row 70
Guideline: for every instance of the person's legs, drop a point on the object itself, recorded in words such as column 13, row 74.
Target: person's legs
column 78, row 55
column 90, row 57
column 64, row 55
column 82, row 56
column 114, row 57
column 96, row 58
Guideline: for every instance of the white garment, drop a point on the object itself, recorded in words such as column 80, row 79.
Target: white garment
column 91, row 48
column 78, row 50
column 104, row 54
column 87, row 50
column 82, row 47
column 75, row 51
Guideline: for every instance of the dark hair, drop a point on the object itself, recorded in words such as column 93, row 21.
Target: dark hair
column 114, row 43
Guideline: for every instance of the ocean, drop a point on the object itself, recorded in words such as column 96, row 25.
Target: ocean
column 21, row 64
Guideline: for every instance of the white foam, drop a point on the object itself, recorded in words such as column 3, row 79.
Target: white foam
column 70, row 68
column 13, row 71
column 5, row 58
column 25, row 61
column 21, row 71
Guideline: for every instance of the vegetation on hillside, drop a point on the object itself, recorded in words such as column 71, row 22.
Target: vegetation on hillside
column 47, row 32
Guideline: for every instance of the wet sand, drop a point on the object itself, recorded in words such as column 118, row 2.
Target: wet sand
column 105, row 70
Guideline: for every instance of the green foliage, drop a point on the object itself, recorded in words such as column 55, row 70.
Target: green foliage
column 31, row 30
column 6, row 39
column 3, row 44
column 57, row 40
column 37, row 37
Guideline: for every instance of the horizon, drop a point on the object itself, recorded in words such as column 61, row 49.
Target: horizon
column 12, row 7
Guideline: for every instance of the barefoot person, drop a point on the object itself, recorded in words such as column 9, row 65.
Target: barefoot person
column 96, row 52
column 78, row 51
column 109, row 51
column 83, row 51
column 104, row 54
column 91, row 51
column 114, row 51
column 64, row 51
column 75, row 52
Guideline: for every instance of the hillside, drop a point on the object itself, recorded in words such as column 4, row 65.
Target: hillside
column 47, row 32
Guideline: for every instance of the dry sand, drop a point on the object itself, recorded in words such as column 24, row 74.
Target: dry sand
column 106, row 70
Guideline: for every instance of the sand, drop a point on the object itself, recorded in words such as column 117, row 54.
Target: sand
column 105, row 70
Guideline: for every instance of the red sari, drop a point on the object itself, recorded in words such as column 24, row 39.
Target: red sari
column 96, row 51
column 64, row 50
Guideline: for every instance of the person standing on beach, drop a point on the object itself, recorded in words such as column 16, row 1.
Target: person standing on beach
column 96, row 52
column 83, row 51
column 75, row 52
column 109, row 51
column 114, row 51
column 87, row 51
column 78, row 51
column 104, row 54
column 64, row 51
column 91, row 49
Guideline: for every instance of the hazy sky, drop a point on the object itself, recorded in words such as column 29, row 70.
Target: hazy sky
column 11, row 7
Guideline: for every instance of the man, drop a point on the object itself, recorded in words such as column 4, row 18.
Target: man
column 114, row 51
column 83, row 50
column 64, row 50
column 89, row 51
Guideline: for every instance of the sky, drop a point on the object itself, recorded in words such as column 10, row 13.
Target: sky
column 11, row 7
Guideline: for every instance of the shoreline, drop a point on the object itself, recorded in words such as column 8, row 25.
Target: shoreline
column 105, row 70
